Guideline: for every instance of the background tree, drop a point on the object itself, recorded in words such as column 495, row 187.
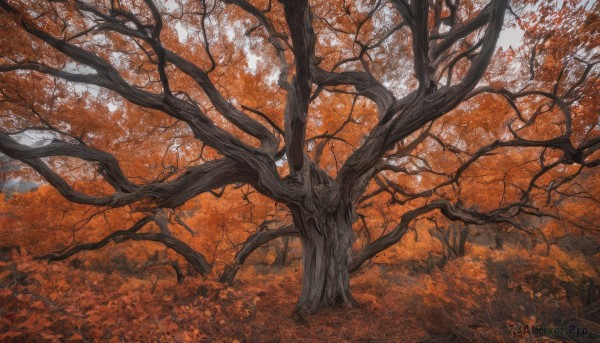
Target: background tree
column 325, row 108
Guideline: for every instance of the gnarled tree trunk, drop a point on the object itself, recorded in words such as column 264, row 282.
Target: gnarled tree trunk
column 327, row 239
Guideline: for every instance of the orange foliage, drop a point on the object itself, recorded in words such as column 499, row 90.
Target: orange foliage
column 127, row 292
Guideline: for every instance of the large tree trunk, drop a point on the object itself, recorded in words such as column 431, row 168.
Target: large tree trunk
column 327, row 239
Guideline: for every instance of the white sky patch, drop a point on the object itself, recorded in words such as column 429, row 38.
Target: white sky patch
column 230, row 35
column 81, row 88
column 273, row 77
column 182, row 32
column 510, row 37
column 73, row 67
column 169, row 4
column 444, row 28
column 34, row 138
column 112, row 106
column 280, row 162
column 251, row 61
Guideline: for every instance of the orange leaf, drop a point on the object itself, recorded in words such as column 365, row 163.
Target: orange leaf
column 75, row 337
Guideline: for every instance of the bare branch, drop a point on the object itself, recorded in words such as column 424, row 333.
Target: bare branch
column 256, row 240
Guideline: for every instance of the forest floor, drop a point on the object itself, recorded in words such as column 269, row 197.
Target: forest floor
column 382, row 316
column 60, row 301
column 496, row 298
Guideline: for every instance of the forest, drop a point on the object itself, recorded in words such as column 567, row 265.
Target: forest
column 299, row 171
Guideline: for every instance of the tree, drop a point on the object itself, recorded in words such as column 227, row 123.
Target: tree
column 321, row 107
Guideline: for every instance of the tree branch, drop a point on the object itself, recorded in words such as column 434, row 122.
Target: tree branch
column 297, row 15
column 252, row 243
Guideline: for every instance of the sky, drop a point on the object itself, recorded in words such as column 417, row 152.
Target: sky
column 510, row 37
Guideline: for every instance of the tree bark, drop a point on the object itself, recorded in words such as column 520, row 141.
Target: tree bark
column 327, row 239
